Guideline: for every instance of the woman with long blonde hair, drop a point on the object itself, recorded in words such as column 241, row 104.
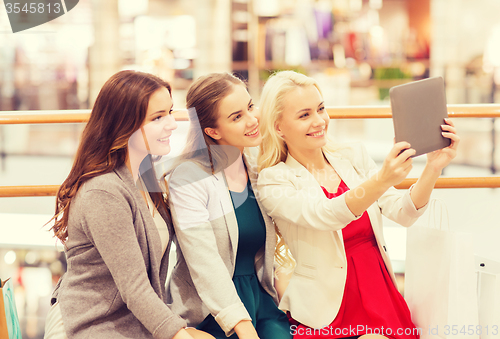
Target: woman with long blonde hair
column 328, row 203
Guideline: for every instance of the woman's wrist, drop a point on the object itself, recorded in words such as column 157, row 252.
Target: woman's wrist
column 422, row 189
column 431, row 172
column 245, row 330
column 377, row 182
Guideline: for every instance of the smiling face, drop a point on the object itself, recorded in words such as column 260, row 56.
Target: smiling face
column 157, row 126
column 238, row 121
column 304, row 121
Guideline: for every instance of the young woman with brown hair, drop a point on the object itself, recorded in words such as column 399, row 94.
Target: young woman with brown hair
column 116, row 236
column 223, row 280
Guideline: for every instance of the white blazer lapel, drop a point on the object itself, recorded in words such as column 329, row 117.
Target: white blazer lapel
column 346, row 172
column 228, row 211
column 270, row 233
column 344, row 169
column 305, row 178
column 308, row 180
column 350, row 176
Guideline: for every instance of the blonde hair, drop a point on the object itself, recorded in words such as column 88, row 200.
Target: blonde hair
column 273, row 149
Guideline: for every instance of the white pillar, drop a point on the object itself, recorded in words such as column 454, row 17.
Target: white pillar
column 104, row 55
column 213, row 36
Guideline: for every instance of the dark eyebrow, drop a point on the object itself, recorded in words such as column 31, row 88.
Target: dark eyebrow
column 302, row 110
column 238, row 112
column 162, row 110
column 307, row 109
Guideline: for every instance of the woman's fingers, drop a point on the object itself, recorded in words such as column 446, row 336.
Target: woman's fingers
column 451, row 152
column 454, row 138
column 398, row 164
column 406, row 154
column 399, row 155
column 406, row 167
column 398, row 148
column 448, row 121
column 449, row 129
column 450, row 132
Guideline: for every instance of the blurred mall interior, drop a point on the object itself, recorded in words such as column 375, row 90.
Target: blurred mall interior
column 355, row 49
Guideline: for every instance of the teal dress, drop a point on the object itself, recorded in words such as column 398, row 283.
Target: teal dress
column 269, row 321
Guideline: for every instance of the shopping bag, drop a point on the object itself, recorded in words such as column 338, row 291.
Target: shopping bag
column 9, row 320
column 4, row 332
column 488, row 281
column 440, row 279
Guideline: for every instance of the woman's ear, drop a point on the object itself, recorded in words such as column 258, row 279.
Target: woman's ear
column 212, row 133
column 278, row 129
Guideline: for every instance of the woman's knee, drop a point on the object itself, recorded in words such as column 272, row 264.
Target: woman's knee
column 197, row 334
column 274, row 330
column 373, row 336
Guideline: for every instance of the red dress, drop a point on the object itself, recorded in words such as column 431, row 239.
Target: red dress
column 371, row 303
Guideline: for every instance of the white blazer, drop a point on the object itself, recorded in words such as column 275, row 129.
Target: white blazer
column 311, row 225
column 207, row 241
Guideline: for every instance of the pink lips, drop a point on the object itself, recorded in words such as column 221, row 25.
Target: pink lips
column 322, row 134
column 165, row 140
column 255, row 131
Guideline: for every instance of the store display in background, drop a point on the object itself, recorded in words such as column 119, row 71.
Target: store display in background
column 314, row 37
column 164, row 46
column 335, row 85
column 48, row 70
column 34, row 274
column 353, row 48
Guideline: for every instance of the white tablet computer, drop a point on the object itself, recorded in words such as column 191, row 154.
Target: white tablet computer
column 418, row 111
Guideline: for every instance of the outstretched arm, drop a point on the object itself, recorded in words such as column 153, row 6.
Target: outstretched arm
column 396, row 167
column 436, row 161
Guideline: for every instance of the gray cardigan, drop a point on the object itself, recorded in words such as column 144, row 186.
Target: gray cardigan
column 115, row 283
column 206, row 232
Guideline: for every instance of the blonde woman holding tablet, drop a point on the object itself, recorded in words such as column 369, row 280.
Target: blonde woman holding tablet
column 328, row 204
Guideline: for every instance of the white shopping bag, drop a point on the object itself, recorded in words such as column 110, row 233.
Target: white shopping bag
column 440, row 279
column 488, row 283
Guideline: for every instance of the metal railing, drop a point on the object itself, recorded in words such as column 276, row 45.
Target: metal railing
column 347, row 112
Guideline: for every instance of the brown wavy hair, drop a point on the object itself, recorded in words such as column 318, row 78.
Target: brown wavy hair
column 119, row 111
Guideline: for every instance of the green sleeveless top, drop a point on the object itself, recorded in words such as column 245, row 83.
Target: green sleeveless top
column 251, row 227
